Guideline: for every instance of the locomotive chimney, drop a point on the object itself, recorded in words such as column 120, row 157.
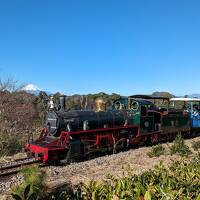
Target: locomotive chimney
column 62, row 102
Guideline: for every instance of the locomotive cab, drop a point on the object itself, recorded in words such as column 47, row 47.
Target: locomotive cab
column 146, row 115
column 143, row 112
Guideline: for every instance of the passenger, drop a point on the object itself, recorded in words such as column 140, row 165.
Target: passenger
column 195, row 111
column 185, row 109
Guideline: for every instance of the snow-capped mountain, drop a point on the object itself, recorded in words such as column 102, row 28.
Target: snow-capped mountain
column 33, row 89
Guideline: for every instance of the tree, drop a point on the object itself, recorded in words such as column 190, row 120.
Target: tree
column 10, row 84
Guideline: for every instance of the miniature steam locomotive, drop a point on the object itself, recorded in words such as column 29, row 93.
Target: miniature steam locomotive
column 71, row 135
column 78, row 120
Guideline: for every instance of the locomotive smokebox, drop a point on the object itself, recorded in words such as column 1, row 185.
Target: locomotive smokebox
column 62, row 102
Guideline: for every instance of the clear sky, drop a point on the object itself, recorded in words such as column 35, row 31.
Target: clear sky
column 87, row 46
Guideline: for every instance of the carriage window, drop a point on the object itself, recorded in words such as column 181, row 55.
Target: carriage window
column 134, row 105
column 123, row 106
column 117, row 105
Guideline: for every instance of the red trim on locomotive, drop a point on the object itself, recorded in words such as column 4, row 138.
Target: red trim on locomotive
column 56, row 149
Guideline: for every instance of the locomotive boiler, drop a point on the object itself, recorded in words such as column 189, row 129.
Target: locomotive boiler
column 77, row 120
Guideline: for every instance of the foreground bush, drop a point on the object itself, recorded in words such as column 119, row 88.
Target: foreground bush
column 33, row 186
column 156, row 151
column 180, row 181
column 11, row 143
column 179, row 147
column 196, row 145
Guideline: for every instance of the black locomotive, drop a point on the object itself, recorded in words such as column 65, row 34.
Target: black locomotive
column 77, row 120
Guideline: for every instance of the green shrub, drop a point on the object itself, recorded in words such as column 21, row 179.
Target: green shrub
column 196, row 145
column 156, row 151
column 26, row 194
column 10, row 144
column 179, row 147
column 34, row 177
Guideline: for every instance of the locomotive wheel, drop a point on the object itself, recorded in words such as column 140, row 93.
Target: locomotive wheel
column 120, row 145
column 147, row 140
column 68, row 159
column 154, row 139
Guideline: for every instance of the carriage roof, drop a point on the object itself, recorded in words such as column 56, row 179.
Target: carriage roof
column 185, row 99
column 142, row 96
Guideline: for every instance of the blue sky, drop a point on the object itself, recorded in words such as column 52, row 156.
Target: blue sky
column 87, row 46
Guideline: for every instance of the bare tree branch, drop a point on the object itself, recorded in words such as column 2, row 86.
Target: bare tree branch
column 10, row 84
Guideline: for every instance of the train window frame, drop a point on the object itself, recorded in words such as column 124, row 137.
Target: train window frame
column 120, row 105
column 134, row 108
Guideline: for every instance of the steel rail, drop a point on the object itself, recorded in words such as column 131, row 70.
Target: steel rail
column 15, row 166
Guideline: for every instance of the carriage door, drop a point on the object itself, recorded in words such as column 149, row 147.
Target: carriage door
column 147, row 120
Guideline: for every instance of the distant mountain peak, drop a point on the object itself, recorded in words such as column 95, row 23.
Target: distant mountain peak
column 34, row 89
column 31, row 87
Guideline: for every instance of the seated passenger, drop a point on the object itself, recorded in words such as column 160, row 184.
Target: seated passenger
column 195, row 111
column 185, row 109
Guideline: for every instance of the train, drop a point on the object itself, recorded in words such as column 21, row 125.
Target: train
column 73, row 135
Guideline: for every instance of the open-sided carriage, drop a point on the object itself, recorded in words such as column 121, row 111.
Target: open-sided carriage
column 191, row 106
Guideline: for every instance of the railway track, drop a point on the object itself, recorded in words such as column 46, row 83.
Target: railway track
column 15, row 166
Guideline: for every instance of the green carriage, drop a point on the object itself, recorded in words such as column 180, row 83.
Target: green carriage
column 153, row 115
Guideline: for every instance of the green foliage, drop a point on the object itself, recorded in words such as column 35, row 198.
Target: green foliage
column 196, row 145
column 156, row 151
column 27, row 195
column 179, row 147
column 41, row 105
column 33, row 186
column 10, row 144
column 180, row 181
